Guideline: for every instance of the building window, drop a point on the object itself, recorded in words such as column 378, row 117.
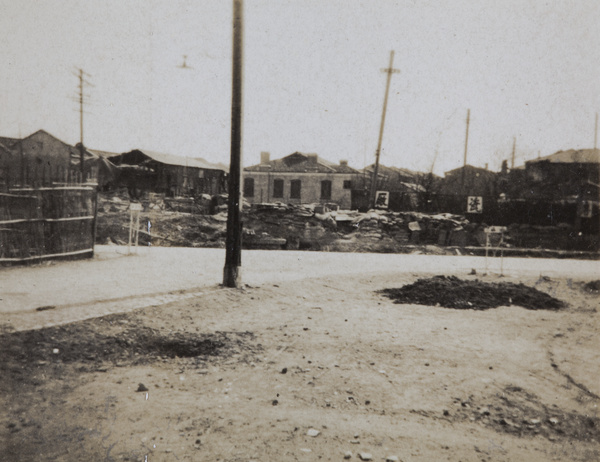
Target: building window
column 347, row 184
column 277, row 188
column 326, row 189
column 295, row 189
column 248, row 187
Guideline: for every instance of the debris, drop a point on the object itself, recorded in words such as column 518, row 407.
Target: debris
column 275, row 402
column 593, row 287
column 142, row 387
column 45, row 308
column 365, row 456
column 348, row 455
column 284, row 370
column 55, row 351
column 391, row 459
column 312, row 432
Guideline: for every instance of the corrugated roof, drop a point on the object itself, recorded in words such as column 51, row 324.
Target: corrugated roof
column 170, row 159
column 100, row 153
column 572, row 156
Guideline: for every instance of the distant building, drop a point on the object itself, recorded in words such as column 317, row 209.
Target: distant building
column 570, row 178
column 144, row 170
column 566, row 175
column 469, row 181
column 407, row 189
column 42, row 159
column 299, row 178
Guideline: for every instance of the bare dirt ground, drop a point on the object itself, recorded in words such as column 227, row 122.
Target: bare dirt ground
column 242, row 375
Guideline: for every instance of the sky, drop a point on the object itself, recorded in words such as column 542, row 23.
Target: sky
column 527, row 70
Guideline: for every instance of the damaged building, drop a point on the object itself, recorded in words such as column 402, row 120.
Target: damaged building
column 150, row 171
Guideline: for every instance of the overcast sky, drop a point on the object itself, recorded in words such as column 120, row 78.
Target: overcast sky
column 313, row 79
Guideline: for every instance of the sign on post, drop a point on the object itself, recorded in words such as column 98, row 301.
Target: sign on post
column 475, row 204
column 382, row 199
column 134, row 215
column 498, row 233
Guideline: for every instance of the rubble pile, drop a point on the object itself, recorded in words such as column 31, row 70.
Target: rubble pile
column 201, row 222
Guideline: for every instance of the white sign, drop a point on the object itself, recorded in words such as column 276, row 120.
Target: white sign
column 382, row 199
column 135, row 207
column 474, row 204
column 496, row 229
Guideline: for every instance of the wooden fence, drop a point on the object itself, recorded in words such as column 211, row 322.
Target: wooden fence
column 38, row 223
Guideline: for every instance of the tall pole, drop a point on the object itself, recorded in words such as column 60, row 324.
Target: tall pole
column 22, row 159
column 390, row 70
column 512, row 157
column 596, row 133
column 81, row 148
column 233, row 251
column 462, row 182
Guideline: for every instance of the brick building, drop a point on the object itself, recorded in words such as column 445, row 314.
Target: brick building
column 299, row 178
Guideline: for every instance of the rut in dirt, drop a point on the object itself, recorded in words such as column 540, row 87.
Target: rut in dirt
column 452, row 292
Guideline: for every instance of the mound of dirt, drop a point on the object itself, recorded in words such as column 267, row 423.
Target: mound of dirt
column 452, row 292
column 593, row 287
column 112, row 340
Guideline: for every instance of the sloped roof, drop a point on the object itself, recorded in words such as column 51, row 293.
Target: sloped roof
column 7, row 142
column 301, row 163
column 469, row 168
column 103, row 154
column 385, row 170
column 170, row 159
column 572, row 156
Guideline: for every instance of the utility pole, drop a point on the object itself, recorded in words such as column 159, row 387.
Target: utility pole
column 512, row 158
column 22, row 159
column 82, row 81
column 462, row 181
column 390, row 70
column 596, row 133
column 233, row 244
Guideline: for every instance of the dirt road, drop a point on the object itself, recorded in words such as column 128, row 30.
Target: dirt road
column 251, row 375
column 115, row 281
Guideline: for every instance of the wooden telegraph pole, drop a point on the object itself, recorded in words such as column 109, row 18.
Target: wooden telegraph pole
column 81, row 74
column 233, row 251
column 512, row 157
column 596, row 132
column 390, row 70
column 462, row 181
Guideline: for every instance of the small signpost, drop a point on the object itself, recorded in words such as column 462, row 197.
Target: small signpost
column 134, row 232
column 497, row 235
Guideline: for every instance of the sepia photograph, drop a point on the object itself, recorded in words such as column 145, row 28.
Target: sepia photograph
column 299, row 230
